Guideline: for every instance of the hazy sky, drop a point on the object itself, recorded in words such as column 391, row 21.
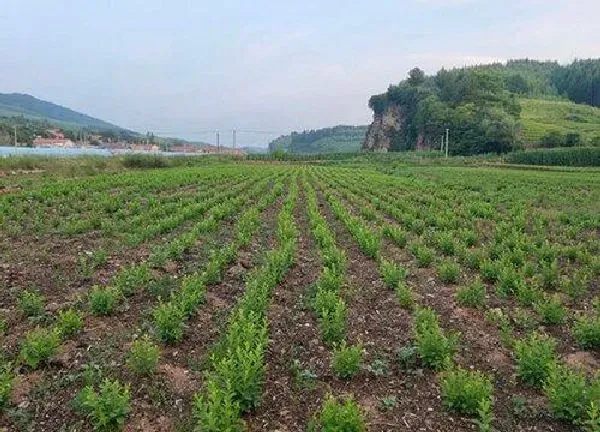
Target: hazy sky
column 186, row 67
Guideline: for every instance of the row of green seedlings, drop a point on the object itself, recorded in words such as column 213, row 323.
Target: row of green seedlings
column 536, row 363
column 114, row 215
column 170, row 316
column 237, row 365
column 509, row 281
column 90, row 261
column 93, row 260
column 467, row 392
column 436, row 218
column 108, row 406
column 330, row 310
column 42, row 343
column 84, row 196
column 154, row 225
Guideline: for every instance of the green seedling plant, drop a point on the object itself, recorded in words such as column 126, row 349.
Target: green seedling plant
column 108, row 407
column 143, row 356
column 346, row 360
column 39, row 345
column 535, row 357
column 31, row 303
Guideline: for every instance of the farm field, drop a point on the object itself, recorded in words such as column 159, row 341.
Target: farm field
column 259, row 296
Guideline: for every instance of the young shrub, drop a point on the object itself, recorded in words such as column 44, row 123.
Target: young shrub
column 169, row 321
column 469, row 237
column 445, row 243
column 422, row 254
column 509, row 281
column 549, row 276
column 109, row 407
column 330, row 280
column 368, row 241
column 334, row 260
column 464, row 391
column 473, row 258
column 434, row 347
column 69, row 322
column 395, row 234
column 535, row 358
column 102, row 300
column 217, row 411
column 569, row 393
column 472, row 295
column 346, row 360
column 332, row 320
column 336, row 416
column 449, row 271
column 576, row 286
column 31, row 303
column 132, row 279
column 528, row 293
column 587, row 331
column 143, row 357
column 39, row 345
column 6, row 383
column 490, row 270
column 391, row 272
column 405, row 296
column 550, row 309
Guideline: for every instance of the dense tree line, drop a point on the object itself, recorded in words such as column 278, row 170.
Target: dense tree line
column 580, row 81
column 480, row 104
column 335, row 139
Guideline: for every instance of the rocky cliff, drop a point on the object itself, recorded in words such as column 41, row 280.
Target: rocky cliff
column 384, row 128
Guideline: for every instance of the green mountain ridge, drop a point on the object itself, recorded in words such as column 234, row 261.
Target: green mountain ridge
column 24, row 105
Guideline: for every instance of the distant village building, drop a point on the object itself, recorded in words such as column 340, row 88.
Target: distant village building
column 56, row 139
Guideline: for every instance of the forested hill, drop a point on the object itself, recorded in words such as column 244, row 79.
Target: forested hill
column 337, row 139
column 487, row 108
column 17, row 104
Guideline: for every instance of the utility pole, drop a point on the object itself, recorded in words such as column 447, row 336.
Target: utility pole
column 218, row 142
column 15, row 135
column 447, row 135
column 442, row 145
column 234, row 137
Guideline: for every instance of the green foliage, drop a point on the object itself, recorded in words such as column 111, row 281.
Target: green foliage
column 449, row 271
column 579, row 156
column 31, row 303
column 109, row 407
column 346, row 360
column 143, row 356
column 39, row 345
column 391, row 272
column 331, row 316
column 434, row 347
column 328, row 140
column 69, row 322
column 169, row 321
column 102, row 300
column 472, row 295
column 551, row 309
column 405, row 296
column 570, row 393
column 6, row 383
column 587, row 331
column 535, row 358
column 396, row 234
column 131, row 279
column 422, row 254
column 337, row 416
column 217, row 411
column 464, row 390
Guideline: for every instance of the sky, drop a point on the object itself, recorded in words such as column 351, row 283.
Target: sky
column 188, row 68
